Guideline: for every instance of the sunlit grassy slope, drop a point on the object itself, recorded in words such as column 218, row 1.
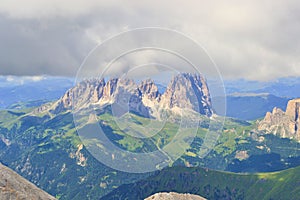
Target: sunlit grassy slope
column 46, row 150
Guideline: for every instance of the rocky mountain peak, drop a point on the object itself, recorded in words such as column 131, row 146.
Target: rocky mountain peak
column 86, row 92
column 128, row 98
column 283, row 123
column 277, row 113
column 188, row 91
column 148, row 88
column 185, row 91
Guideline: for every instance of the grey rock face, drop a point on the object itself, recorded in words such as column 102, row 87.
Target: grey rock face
column 87, row 92
column 149, row 89
column 188, row 91
column 185, row 91
column 13, row 186
column 285, row 124
column 128, row 98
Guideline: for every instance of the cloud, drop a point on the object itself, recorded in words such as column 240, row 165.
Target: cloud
column 255, row 40
column 17, row 80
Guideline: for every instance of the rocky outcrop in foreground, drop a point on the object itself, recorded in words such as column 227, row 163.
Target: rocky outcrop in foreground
column 174, row 196
column 13, row 186
column 284, row 124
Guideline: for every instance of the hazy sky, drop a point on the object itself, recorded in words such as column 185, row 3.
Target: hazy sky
column 252, row 39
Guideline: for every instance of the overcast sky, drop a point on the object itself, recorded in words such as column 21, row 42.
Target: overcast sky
column 254, row 39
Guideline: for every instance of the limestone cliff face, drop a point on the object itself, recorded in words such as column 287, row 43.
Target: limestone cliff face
column 128, row 98
column 87, row 92
column 149, row 89
column 185, row 91
column 13, row 186
column 285, row 124
column 188, row 91
column 108, row 90
column 293, row 109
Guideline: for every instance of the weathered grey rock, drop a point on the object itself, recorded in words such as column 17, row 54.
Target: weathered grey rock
column 174, row 196
column 13, row 186
column 149, row 89
column 285, row 124
column 108, row 90
column 188, row 91
column 83, row 94
column 185, row 91
column 128, row 98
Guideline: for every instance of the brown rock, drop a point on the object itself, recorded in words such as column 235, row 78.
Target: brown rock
column 13, row 186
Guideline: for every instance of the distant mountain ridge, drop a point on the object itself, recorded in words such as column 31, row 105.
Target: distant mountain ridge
column 281, row 87
column 251, row 106
column 15, row 90
column 185, row 92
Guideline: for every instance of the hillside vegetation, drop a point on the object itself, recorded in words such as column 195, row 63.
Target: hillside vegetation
column 217, row 185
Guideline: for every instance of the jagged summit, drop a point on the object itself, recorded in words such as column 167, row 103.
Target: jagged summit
column 148, row 88
column 188, row 91
column 185, row 91
column 285, row 124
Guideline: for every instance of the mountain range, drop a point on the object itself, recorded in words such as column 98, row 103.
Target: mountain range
column 18, row 92
column 24, row 92
column 185, row 91
column 281, row 87
column 252, row 106
column 41, row 143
